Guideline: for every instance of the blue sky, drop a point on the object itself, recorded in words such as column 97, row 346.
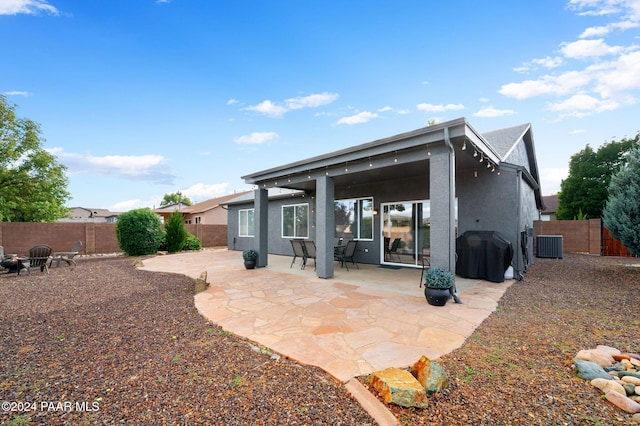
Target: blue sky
column 140, row 98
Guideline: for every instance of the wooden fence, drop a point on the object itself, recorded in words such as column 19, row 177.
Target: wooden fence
column 97, row 238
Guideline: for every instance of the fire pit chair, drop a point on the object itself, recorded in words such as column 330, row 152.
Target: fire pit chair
column 38, row 257
column 67, row 256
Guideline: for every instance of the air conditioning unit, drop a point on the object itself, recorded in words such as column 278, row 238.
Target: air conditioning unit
column 549, row 246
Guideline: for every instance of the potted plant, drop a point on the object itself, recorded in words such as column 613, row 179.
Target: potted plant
column 250, row 258
column 438, row 283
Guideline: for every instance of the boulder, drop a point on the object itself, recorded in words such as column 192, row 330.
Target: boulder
column 201, row 282
column 598, row 356
column 608, row 385
column 431, row 375
column 399, row 387
column 622, row 402
column 608, row 349
column 589, row 370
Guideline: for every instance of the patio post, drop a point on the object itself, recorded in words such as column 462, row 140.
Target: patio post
column 261, row 217
column 325, row 226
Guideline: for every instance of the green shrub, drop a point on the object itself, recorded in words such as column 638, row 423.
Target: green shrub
column 250, row 255
column 139, row 232
column 176, row 234
column 192, row 243
column 438, row 278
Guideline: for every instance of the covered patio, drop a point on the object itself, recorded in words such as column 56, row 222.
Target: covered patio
column 357, row 322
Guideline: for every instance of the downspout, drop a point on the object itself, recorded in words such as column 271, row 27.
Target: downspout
column 452, row 218
column 518, row 264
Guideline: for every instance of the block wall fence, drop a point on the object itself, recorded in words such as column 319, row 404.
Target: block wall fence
column 97, row 238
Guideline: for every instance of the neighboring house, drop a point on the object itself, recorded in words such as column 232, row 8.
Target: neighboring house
column 551, row 204
column 210, row 212
column 82, row 214
column 425, row 187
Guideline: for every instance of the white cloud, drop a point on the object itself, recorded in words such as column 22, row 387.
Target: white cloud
column 148, row 167
column 551, row 178
column 439, row 108
column 561, row 84
column 615, row 78
column 491, row 112
column 272, row 109
column 17, row 93
column 578, row 131
column 582, row 106
column 589, row 48
column 547, row 62
column 311, row 101
column 385, row 109
column 256, row 138
column 204, row 191
column 233, row 101
column 29, row 7
column 359, row 118
column 268, row 108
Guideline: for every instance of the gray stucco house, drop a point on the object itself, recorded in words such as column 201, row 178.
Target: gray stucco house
column 424, row 187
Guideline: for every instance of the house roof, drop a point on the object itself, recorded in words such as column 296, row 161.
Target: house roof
column 203, row 206
column 373, row 161
column 551, row 204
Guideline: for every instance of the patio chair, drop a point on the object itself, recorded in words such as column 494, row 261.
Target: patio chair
column 38, row 257
column 348, row 255
column 394, row 249
column 309, row 253
column 298, row 251
column 67, row 256
column 425, row 258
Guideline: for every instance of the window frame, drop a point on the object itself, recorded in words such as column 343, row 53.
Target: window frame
column 358, row 209
column 250, row 232
column 295, row 227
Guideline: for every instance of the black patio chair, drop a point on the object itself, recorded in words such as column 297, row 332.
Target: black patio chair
column 348, row 255
column 309, row 253
column 298, row 251
column 394, row 249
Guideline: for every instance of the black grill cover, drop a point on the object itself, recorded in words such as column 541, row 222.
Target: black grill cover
column 483, row 254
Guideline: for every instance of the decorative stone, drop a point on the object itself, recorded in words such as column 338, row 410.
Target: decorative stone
column 636, row 418
column 201, row 282
column 608, row 385
column 622, row 402
column 608, row 349
column 631, row 379
column 600, row 357
column 629, row 373
column 629, row 388
column 399, row 387
column 588, row 370
column 430, row 374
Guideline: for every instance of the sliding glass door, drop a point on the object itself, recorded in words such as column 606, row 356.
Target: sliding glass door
column 406, row 228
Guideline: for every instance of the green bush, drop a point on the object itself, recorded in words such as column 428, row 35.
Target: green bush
column 139, row 232
column 438, row 278
column 176, row 234
column 192, row 243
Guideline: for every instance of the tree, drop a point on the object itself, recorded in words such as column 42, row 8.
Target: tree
column 139, row 232
column 33, row 186
column 176, row 234
column 584, row 191
column 621, row 214
column 175, row 198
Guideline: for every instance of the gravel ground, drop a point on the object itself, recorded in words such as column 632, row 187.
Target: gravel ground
column 105, row 343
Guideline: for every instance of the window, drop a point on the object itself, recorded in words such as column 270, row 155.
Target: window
column 198, row 219
column 295, row 221
column 354, row 219
column 247, row 228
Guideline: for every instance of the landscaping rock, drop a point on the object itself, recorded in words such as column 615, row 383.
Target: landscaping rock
column 201, row 282
column 622, row 402
column 608, row 349
column 588, row 370
column 608, row 385
column 431, row 375
column 399, row 387
column 598, row 356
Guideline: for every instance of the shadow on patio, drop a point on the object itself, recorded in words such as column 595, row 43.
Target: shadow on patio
column 355, row 323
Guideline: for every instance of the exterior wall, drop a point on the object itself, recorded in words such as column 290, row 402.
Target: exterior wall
column 368, row 251
column 97, row 238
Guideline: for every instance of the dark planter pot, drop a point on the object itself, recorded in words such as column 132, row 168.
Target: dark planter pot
column 250, row 264
column 437, row 296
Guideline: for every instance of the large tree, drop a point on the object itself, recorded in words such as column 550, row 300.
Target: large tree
column 584, row 192
column 33, row 185
column 622, row 213
column 175, row 198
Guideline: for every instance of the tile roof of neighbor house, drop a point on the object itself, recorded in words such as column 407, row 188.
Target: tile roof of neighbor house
column 551, row 203
column 211, row 204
